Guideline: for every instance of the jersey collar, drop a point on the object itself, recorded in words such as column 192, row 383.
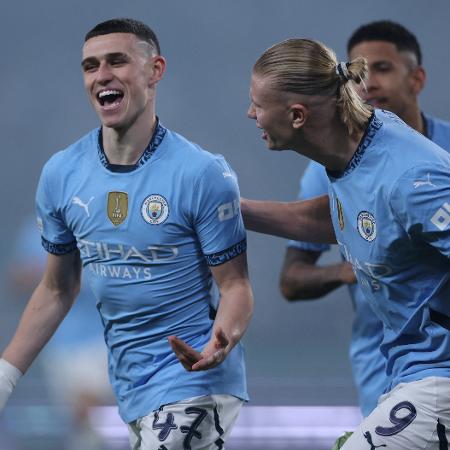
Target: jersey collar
column 158, row 136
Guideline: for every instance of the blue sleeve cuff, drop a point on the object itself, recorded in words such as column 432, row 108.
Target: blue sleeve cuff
column 58, row 249
column 226, row 255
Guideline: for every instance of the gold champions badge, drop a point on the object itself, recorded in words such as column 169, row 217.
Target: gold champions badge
column 117, row 207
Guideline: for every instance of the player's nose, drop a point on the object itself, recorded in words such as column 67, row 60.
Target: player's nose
column 251, row 111
column 104, row 73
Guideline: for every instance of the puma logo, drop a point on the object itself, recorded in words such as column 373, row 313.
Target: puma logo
column 419, row 183
column 85, row 206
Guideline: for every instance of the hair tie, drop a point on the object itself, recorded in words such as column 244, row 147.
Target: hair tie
column 342, row 71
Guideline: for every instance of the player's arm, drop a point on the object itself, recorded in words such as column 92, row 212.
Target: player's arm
column 307, row 220
column 302, row 279
column 45, row 310
column 232, row 318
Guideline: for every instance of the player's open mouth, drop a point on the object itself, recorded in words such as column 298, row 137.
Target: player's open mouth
column 110, row 98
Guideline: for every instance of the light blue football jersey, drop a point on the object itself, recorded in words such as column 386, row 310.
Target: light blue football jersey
column 146, row 240
column 368, row 364
column 391, row 213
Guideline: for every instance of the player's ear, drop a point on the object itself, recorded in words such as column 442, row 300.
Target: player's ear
column 418, row 78
column 299, row 114
column 158, row 68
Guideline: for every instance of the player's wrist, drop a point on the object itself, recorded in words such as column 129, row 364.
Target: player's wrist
column 9, row 376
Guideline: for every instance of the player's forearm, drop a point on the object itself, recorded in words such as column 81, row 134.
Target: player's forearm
column 303, row 221
column 307, row 282
column 235, row 310
column 42, row 316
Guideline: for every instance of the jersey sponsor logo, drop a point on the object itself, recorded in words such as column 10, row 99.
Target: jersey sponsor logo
column 117, row 207
column 77, row 201
column 123, row 271
column 120, row 261
column 369, row 275
column 103, row 251
column 340, row 214
column 228, row 210
column 155, row 209
column 367, row 226
column 441, row 217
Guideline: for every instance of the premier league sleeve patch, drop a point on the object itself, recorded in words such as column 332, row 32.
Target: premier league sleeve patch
column 367, row 226
column 155, row 209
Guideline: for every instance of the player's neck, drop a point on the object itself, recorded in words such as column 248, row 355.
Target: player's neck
column 413, row 117
column 331, row 145
column 125, row 146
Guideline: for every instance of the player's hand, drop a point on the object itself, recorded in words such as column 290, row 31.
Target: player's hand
column 211, row 356
column 347, row 273
column 184, row 352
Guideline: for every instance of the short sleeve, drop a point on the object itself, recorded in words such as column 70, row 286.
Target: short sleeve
column 421, row 202
column 217, row 216
column 313, row 183
column 56, row 237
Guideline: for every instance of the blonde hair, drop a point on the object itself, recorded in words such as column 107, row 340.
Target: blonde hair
column 308, row 67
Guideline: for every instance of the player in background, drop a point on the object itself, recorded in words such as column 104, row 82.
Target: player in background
column 153, row 218
column 396, row 78
column 387, row 208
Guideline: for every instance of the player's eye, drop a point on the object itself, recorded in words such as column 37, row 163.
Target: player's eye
column 383, row 67
column 89, row 67
column 117, row 62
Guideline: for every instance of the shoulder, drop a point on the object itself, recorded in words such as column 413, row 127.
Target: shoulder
column 401, row 157
column 438, row 131
column 316, row 169
column 314, row 181
column 314, row 174
column 193, row 159
column 69, row 158
column 404, row 146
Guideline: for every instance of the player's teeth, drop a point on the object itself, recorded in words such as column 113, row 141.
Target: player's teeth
column 103, row 93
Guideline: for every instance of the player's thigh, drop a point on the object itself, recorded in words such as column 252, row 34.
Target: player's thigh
column 200, row 423
column 412, row 416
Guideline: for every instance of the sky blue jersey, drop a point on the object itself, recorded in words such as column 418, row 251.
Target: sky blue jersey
column 147, row 239
column 391, row 214
column 368, row 364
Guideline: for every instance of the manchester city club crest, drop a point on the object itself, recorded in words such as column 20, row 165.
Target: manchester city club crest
column 367, row 226
column 155, row 209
